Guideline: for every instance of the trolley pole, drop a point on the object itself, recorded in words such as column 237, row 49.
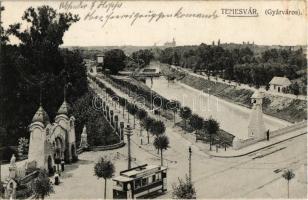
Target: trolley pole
column 129, row 131
column 189, row 158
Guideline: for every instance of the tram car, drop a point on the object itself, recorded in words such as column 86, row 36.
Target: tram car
column 140, row 182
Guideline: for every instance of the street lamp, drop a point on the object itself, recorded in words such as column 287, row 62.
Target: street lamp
column 189, row 158
column 128, row 133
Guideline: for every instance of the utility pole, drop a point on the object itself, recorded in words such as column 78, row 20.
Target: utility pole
column 124, row 106
column 189, row 158
column 129, row 131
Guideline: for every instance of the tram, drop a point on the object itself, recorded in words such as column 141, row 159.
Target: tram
column 140, row 182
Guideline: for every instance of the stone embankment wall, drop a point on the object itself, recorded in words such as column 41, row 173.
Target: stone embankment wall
column 239, row 143
column 289, row 109
column 298, row 126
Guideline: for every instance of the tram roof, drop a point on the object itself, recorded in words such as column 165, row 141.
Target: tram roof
column 137, row 172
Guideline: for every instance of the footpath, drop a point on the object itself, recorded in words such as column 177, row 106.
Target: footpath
column 138, row 133
column 221, row 153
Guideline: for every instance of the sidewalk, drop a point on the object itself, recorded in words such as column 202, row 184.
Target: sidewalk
column 258, row 146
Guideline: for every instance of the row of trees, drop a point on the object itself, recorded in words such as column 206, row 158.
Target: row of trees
column 240, row 64
column 156, row 127
column 208, row 127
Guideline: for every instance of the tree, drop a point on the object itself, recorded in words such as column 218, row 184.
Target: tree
column 185, row 114
column 41, row 186
column 161, row 142
column 294, row 87
column 196, row 122
column 3, row 34
column 143, row 57
column 158, row 128
column 114, row 60
column 132, row 109
column 38, row 62
column 147, row 123
column 212, row 128
column 104, row 169
column 288, row 175
column 23, row 145
column 141, row 114
column 267, row 87
column 184, row 190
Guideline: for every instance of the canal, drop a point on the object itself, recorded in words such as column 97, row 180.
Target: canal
column 231, row 117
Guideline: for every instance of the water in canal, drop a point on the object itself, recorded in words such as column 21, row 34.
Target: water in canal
column 232, row 118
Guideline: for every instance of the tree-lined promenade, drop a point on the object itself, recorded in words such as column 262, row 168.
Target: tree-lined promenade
column 218, row 168
column 204, row 129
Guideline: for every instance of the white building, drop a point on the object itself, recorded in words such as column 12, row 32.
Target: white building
column 277, row 84
column 100, row 58
column 51, row 143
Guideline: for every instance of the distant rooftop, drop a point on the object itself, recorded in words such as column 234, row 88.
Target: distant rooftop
column 283, row 81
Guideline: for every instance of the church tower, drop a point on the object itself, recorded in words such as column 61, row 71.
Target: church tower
column 37, row 142
column 256, row 127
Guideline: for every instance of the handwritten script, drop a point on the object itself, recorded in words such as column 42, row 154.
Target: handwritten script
column 114, row 11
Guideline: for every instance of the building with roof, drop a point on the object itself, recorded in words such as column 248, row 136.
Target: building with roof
column 170, row 44
column 100, row 58
column 52, row 143
column 278, row 84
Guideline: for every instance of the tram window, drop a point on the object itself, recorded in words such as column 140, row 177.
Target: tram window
column 154, row 178
column 158, row 176
column 144, row 181
column 119, row 184
column 137, row 183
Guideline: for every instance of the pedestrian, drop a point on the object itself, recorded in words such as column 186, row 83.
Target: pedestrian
column 57, row 179
column 267, row 134
column 62, row 165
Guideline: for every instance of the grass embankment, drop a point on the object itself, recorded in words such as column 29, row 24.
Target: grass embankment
column 292, row 110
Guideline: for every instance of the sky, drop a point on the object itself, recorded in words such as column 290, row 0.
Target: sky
column 263, row 30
